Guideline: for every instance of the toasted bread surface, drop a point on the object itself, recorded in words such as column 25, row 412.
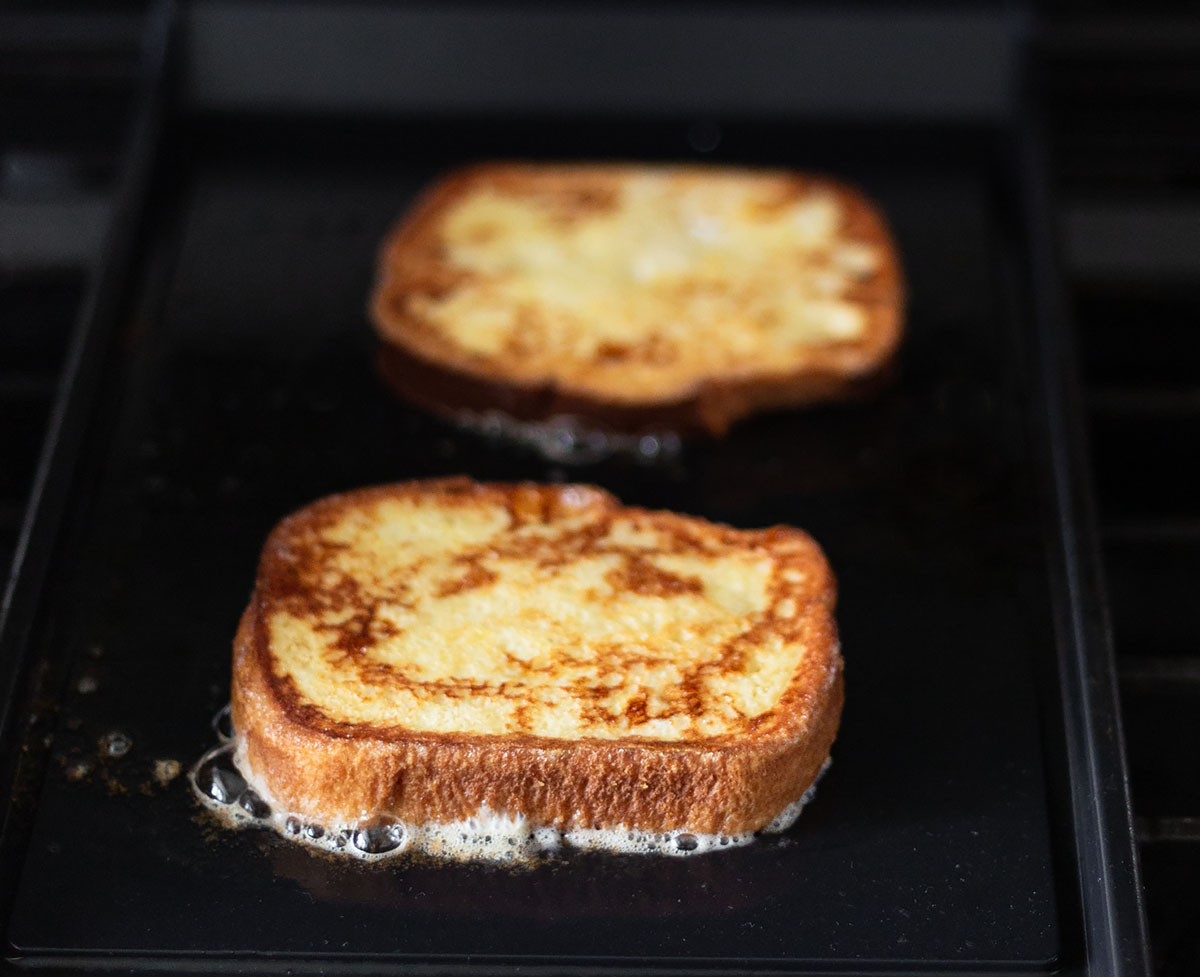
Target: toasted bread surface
column 430, row 650
column 627, row 295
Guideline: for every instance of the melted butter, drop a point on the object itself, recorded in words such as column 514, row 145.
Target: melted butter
column 486, row 835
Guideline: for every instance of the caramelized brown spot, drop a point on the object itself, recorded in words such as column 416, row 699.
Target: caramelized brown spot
column 780, row 195
column 565, row 197
column 372, row 672
column 592, row 198
column 641, row 576
column 569, row 204
column 358, row 633
column 610, row 352
column 527, row 504
column 476, row 575
column 691, row 691
column 440, row 277
column 521, row 719
column 570, row 545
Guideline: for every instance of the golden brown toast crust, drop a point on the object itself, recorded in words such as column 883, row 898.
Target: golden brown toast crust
column 335, row 771
column 429, row 367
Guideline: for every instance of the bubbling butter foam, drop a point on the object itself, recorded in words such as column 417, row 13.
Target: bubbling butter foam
column 223, row 782
column 567, row 439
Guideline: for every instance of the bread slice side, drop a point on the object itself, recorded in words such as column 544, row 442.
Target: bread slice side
column 636, row 297
column 650, row 757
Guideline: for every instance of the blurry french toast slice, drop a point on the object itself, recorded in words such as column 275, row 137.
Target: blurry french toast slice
column 636, row 298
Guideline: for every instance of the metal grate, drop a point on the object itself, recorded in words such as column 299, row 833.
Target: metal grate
column 1123, row 100
column 1121, row 93
column 1145, row 435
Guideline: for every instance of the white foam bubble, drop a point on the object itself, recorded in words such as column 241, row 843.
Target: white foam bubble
column 569, row 439
column 487, row 835
column 679, row 843
column 787, row 817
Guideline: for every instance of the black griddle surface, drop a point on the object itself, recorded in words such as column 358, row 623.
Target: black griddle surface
column 245, row 388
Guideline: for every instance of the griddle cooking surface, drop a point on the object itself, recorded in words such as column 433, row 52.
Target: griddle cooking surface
column 248, row 389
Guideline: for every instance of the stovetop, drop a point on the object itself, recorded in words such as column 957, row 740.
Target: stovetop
column 1121, row 101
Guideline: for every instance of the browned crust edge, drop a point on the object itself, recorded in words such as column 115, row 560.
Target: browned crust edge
column 338, row 772
column 426, row 368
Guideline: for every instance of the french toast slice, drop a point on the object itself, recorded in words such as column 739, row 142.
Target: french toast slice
column 433, row 651
column 636, row 298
